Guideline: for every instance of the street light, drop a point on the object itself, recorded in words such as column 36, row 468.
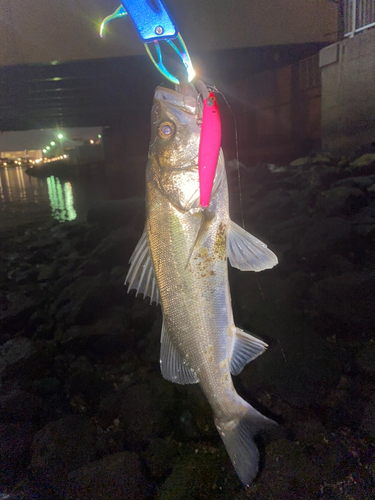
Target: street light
column 60, row 136
column 48, row 148
column 53, row 143
column 44, row 151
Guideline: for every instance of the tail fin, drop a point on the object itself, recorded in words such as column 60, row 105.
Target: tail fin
column 237, row 434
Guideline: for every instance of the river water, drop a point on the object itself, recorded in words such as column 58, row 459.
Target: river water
column 24, row 198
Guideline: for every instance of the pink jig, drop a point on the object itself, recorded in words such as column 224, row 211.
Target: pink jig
column 209, row 148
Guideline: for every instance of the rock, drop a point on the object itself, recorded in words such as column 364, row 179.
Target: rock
column 42, row 244
column 341, row 200
column 19, row 406
column 201, row 471
column 299, row 162
column 331, row 295
column 368, row 419
column 61, row 447
column 356, row 182
column 140, row 415
column 363, row 222
column 129, row 213
column 324, row 236
column 13, row 351
column 366, row 358
column 84, row 300
column 115, row 477
column 363, row 161
column 19, row 306
column 15, row 439
column 117, row 247
column 160, row 456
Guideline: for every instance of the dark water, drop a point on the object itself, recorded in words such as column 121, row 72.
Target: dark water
column 28, row 199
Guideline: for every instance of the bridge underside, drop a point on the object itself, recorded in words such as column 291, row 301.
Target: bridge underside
column 105, row 92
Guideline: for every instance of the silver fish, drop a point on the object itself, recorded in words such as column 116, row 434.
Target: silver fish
column 181, row 263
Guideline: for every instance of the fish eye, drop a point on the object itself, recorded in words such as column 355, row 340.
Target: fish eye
column 166, row 130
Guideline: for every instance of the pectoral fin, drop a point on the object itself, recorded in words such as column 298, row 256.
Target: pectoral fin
column 246, row 252
column 141, row 274
column 245, row 349
column 173, row 367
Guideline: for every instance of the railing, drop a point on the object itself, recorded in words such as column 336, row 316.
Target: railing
column 358, row 16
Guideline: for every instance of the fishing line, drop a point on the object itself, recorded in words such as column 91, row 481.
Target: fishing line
column 214, row 89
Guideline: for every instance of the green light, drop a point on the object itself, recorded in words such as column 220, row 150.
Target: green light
column 44, row 151
column 48, row 148
column 60, row 136
column 53, row 143
column 99, row 136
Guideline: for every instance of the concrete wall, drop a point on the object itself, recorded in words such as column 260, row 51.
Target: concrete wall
column 281, row 118
column 348, row 93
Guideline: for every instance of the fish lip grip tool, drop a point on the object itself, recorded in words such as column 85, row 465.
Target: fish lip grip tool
column 154, row 24
column 209, row 148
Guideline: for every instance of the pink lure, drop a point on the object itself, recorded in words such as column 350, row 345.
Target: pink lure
column 209, row 148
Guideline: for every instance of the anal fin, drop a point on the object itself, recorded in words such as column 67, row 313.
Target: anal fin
column 246, row 348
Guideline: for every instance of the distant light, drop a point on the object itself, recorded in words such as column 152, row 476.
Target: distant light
column 44, row 151
column 99, row 136
column 53, row 143
column 91, row 141
column 54, row 63
column 5, row 164
column 56, row 79
column 60, row 136
column 48, row 148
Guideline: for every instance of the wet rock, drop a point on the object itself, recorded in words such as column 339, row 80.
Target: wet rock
column 368, row 419
column 108, row 337
column 160, row 456
column 140, row 414
column 15, row 439
column 201, row 471
column 341, row 200
column 42, row 244
column 363, row 222
column 362, row 182
column 19, row 406
column 299, row 162
column 18, row 307
column 287, row 471
column 114, row 477
column 118, row 213
column 364, row 165
column 84, row 300
column 366, row 358
column 331, row 297
column 13, row 351
column 61, row 447
column 324, row 236
column 117, row 247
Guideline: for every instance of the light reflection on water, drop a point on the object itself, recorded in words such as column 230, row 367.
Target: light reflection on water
column 61, row 199
column 25, row 199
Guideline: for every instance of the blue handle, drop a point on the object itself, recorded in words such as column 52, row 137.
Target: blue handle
column 151, row 19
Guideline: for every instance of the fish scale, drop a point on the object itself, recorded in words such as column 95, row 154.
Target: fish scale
column 188, row 248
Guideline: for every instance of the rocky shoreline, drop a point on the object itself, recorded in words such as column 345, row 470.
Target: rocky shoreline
column 84, row 410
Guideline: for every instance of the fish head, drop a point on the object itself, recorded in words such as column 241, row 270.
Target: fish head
column 175, row 128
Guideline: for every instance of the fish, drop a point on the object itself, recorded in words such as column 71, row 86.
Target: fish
column 181, row 263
